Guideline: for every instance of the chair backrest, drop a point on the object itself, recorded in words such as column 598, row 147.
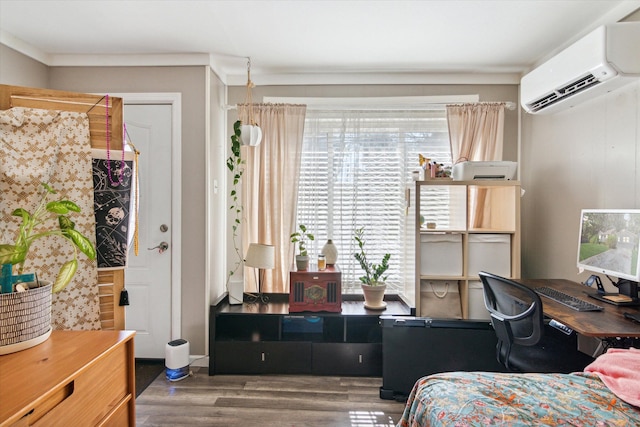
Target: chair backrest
column 516, row 310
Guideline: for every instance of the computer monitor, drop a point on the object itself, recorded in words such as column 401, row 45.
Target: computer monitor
column 609, row 244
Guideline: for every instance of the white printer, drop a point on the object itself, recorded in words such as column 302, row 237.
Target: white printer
column 498, row 170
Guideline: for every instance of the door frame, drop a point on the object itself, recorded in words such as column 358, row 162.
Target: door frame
column 175, row 100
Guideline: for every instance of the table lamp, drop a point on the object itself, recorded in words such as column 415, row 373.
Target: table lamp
column 260, row 257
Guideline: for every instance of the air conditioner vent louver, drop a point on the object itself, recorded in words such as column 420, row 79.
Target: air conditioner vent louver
column 570, row 89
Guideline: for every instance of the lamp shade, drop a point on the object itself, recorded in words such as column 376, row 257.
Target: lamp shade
column 250, row 135
column 260, row 256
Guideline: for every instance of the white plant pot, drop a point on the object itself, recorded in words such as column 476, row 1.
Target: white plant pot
column 236, row 292
column 302, row 262
column 250, row 135
column 374, row 296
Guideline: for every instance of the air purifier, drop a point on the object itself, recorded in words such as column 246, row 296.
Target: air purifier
column 177, row 360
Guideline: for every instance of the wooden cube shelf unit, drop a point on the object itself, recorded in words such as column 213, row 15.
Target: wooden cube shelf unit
column 315, row 290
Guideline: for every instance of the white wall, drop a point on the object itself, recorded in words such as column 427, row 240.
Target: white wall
column 586, row 157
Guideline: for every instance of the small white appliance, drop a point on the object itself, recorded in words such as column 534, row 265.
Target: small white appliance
column 177, row 360
column 496, row 170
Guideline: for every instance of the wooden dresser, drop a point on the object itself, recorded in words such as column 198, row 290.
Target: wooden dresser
column 74, row 378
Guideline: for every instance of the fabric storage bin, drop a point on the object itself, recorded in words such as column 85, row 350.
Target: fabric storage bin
column 440, row 299
column 477, row 310
column 490, row 253
column 441, row 254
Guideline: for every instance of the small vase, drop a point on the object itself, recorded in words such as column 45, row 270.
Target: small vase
column 330, row 251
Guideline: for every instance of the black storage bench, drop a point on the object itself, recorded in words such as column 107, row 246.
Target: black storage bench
column 413, row 347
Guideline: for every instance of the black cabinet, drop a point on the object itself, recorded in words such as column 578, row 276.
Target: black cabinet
column 255, row 338
column 353, row 359
column 244, row 357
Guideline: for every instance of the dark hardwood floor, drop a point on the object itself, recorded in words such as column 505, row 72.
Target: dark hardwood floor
column 266, row 400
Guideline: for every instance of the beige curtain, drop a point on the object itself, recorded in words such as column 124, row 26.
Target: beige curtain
column 476, row 134
column 270, row 188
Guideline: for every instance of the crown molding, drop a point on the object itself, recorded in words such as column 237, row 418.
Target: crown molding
column 24, row 48
column 229, row 76
column 146, row 60
column 363, row 78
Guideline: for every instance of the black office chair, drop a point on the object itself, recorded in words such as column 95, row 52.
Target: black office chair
column 525, row 342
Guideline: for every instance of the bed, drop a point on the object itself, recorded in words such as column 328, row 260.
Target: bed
column 607, row 393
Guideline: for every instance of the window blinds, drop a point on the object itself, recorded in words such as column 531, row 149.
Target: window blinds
column 356, row 167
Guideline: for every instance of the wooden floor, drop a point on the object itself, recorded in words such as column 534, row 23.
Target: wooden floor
column 266, row 400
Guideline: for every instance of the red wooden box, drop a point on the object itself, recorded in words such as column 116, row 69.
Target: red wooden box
column 314, row 290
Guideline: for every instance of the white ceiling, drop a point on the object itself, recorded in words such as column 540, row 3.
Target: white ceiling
column 308, row 41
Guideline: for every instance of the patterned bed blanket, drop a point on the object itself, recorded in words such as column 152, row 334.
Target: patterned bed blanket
column 502, row 399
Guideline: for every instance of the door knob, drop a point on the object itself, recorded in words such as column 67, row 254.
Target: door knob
column 162, row 246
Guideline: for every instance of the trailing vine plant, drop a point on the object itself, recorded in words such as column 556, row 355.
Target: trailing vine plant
column 236, row 166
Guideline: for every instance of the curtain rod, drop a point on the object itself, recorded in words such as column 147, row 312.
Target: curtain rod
column 374, row 103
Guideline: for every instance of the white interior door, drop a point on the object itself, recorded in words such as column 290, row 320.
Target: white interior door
column 148, row 275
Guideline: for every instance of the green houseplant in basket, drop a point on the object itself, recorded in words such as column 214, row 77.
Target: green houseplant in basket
column 25, row 304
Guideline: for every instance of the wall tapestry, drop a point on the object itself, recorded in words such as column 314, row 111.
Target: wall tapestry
column 112, row 206
column 51, row 146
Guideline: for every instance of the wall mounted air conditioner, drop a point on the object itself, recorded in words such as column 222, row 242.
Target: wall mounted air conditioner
column 600, row 62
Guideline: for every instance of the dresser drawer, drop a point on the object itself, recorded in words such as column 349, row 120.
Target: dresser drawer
column 100, row 387
column 120, row 416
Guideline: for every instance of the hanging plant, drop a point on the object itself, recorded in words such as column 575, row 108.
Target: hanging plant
column 236, row 166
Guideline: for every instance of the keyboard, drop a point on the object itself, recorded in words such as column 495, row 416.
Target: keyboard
column 567, row 300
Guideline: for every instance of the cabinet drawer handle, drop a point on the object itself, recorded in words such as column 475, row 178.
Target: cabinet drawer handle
column 359, row 358
column 262, row 356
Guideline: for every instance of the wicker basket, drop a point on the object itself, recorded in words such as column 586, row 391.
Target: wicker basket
column 25, row 318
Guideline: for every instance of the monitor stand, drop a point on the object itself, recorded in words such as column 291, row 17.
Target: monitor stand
column 627, row 294
column 628, row 288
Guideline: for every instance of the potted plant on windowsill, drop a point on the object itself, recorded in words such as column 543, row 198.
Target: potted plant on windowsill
column 25, row 303
column 373, row 283
column 300, row 237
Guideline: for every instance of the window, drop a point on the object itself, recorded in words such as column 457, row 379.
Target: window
column 356, row 168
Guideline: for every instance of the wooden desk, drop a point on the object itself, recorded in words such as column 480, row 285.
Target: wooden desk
column 74, row 378
column 602, row 324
